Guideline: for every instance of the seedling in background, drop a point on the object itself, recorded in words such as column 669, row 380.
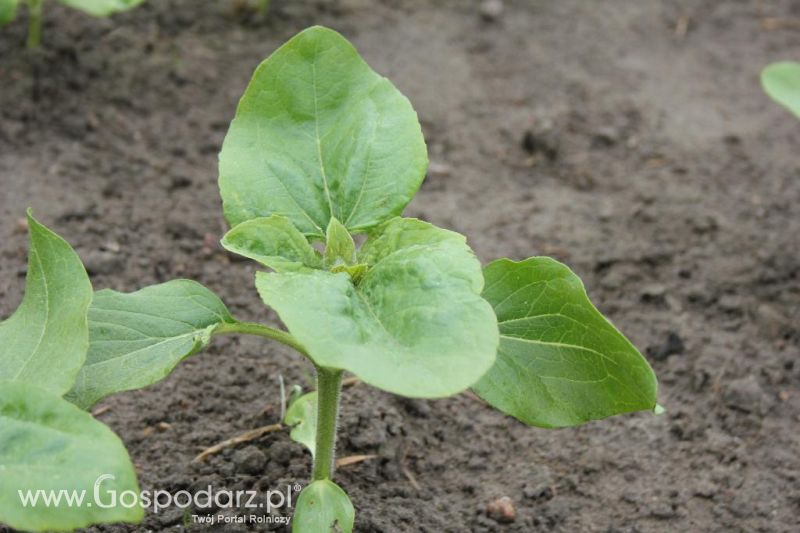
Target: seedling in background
column 321, row 149
column 97, row 8
column 47, row 443
column 781, row 81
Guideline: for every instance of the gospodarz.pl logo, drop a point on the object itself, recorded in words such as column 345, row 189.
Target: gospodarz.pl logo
column 205, row 506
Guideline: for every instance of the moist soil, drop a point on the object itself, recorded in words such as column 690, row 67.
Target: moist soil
column 630, row 140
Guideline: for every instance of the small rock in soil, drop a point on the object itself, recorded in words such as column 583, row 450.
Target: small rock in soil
column 540, row 142
column 540, row 487
column 705, row 489
column 502, row 510
column 250, row 460
column 631, row 497
column 605, row 137
column 730, row 302
column 672, row 345
column 491, row 10
column 653, row 293
column 745, row 394
column 21, row 226
column 662, row 511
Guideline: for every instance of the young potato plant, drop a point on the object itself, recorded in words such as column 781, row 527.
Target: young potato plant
column 47, row 443
column 781, row 81
column 97, row 8
column 321, row 149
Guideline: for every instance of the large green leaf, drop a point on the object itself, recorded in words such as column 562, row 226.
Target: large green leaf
column 560, row 362
column 102, row 8
column 44, row 342
column 274, row 242
column 301, row 416
column 8, row 11
column 319, row 134
column 48, row 444
column 781, row 81
column 138, row 338
column 414, row 325
column 323, row 507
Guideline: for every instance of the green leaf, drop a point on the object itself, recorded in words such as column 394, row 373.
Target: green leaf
column 102, row 8
column 318, row 134
column 356, row 272
column 414, row 325
column 560, row 362
column 44, row 342
column 274, row 242
column 323, row 507
column 49, row 444
column 781, row 81
column 138, row 338
column 8, row 11
column 302, row 417
column 339, row 246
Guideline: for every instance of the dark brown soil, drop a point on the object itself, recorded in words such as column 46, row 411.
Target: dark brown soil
column 628, row 138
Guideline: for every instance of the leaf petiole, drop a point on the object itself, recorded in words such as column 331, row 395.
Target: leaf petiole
column 251, row 328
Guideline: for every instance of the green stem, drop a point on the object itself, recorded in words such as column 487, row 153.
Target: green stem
column 34, row 23
column 263, row 7
column 251, row 328
column 329, row 386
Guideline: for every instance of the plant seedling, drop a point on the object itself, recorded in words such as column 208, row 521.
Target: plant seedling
column 781, row 81
column 321, row 149
column 47, row 443
column 97, row 8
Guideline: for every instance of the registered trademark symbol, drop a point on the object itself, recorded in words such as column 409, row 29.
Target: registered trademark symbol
column 297, row 487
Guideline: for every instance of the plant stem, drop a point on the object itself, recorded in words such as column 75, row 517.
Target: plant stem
column 251, row 328
column 329, row 386
column 263, row 7
column 34, row 23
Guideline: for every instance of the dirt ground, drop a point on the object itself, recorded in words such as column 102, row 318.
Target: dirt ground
column 629, row 139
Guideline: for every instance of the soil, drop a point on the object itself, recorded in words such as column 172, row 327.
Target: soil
column 631, row 141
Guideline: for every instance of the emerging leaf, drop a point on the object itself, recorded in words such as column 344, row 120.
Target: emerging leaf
column 339, row 246
column 781, row 81
column 323, row 507
column 138, row 338
column 49, row 444
column 415, row 325
column 318, row 134
column 274, row 242
column 102, row 8
column 8, row 11
column 356, row 272
column 302, row 417
column 560, row 362
column 44, row 342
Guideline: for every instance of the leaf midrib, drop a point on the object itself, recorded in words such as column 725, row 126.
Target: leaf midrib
column 317, row 137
